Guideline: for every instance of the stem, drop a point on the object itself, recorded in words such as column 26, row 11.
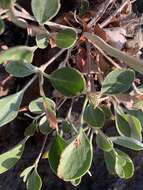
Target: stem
column 41, row 151
column 43, row 67
column 83, row 108
column 29, row 83
column 108, row 20
column 89, row 79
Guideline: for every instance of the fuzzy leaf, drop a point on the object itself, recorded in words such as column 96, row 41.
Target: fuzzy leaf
column 26, row 173
column 34, row 181
column 44, row 126
column 42, row 40
column 36, row 106
column 76, row 159
column 9, row 107
column 104, row 142
column 110, row 160
column 68, row 81
column 136, row 64
column 11, row 157
column 66, row 38
column 30, row 130
column 45, row 10
column 20, row 69
column 19, row 53
column 126, row 170
column 127, row 142
column 128, row 125
column 94, row 117
column 118, row 81
column 55, row 151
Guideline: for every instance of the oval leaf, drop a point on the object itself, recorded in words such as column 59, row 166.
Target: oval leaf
column 76, row 159
column 94, row 117
column 118, row 81
column 66, row 38
column 55, row 151
column 133, row 62
column 11, row 157
column 110, row 161
column 128, row 125
column 36, row 106
column 44, row 126
column 26, row 173
column 127, row 142
column 126, row 170
column 9, row 107
column 34, row 181
column 68, row 81
column 104, row 142
column 42, row 40
column 20, row 69
column 45, row 10
column 20, row 53
column 31, row 129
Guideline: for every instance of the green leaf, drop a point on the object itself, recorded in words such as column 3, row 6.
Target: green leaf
column 127, row 142
column 126, row 170
column 26, row 173
column 66, row 38
column 68, row 81
column 36, row 106
column 11, row 157
column 107, row 112
column 34, row 181
column 137, row 113
column 45, row 10
column 42, row 40
column 9, row 107
column 128, row 125
column 94, row 117
column 120, row 163
column 136, row 64
column 66, row 126
column 110, row 161
column 122, row 125
column 30, row 130
column 118, row 81
column 2, row 26
column 5, row 4
column 19, row 53
column 44, row 126
column 55, row 151
column 104, row 142
column 20, row 69
column 76, row 159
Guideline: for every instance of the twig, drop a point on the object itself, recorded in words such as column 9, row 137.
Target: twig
column 41, row 151
column 29, row 83
column 100, row 13
column 88, row 49
column 43, row 67
column 107, row 57
column 108, row 20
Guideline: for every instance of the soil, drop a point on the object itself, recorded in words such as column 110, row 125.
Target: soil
column 13, row 133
